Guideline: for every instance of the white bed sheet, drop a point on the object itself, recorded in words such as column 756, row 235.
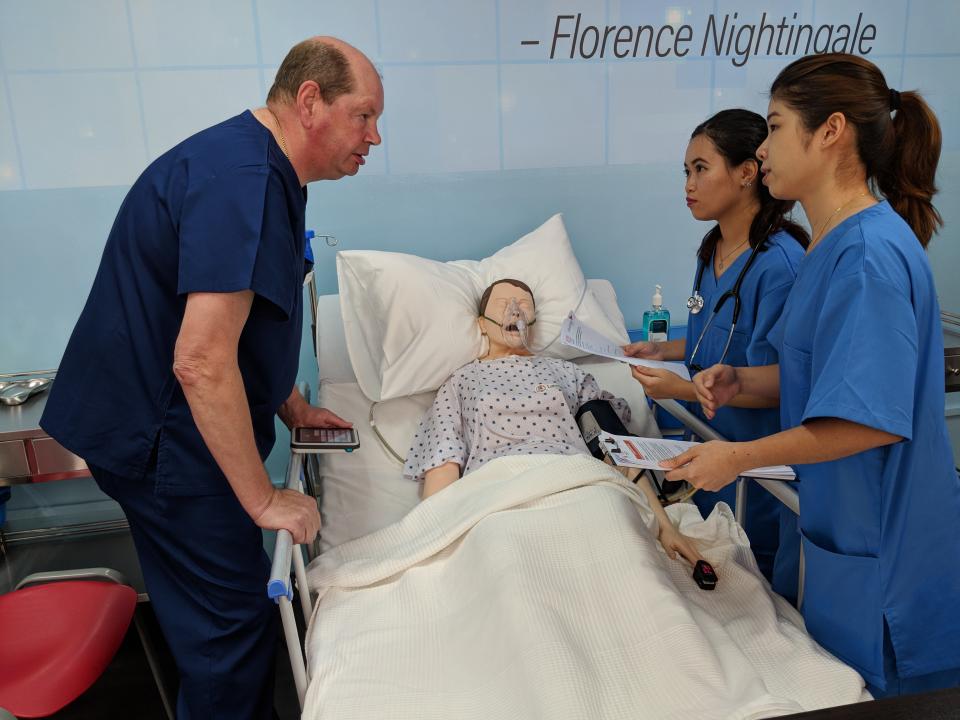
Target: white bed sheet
column 534, row 588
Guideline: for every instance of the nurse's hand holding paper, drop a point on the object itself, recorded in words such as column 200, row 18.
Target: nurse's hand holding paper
column 670, row 350
column 663, row 384
column 710, row 465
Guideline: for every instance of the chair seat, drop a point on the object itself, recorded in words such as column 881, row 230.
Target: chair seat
column 57, row 639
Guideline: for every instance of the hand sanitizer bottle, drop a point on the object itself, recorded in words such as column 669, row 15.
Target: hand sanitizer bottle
column 656, row 322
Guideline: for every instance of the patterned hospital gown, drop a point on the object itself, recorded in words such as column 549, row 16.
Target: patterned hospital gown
column 509, row 406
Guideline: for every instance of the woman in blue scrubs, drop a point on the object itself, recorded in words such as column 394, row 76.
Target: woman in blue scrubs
column 722, row 185
column 860, row 379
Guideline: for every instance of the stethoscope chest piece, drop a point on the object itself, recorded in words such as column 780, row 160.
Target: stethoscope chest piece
column 695, row 303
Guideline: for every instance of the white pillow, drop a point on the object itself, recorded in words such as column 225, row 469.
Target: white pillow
column 409, row 322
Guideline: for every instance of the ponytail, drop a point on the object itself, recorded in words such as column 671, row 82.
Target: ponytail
column 908, row 181
column 899, row 153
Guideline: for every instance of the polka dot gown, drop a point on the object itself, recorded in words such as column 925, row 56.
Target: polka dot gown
column 509, row 406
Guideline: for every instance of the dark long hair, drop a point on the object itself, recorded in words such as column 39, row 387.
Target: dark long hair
column 900, row 153
column 737, row 134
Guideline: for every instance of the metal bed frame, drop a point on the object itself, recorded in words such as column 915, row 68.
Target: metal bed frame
column 303, row 474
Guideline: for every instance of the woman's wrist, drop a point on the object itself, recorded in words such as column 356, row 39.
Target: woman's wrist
column 689, row 391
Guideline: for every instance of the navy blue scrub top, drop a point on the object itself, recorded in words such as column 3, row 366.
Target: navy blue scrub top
column 222, row 211
column 860, row 339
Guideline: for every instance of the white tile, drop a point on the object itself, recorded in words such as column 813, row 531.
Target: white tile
column 766, row 32
column 443, row 118
column 177, row 33
column 179, row 103
column 664, row 12
column 888, row 19
column 284, row 23
column 537, row 20
column 78, row 130
column 748, row 86
column 64, row 34
column 932, row 26
column 268, row 75
column 936, row 79
column 652, row 113
column 552, row 115
column 9, row 159
column 438, row 30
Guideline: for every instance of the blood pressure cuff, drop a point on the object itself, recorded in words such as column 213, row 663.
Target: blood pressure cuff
column 594, row 416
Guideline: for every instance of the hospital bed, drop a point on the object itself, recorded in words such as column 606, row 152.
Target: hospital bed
column 363, row 493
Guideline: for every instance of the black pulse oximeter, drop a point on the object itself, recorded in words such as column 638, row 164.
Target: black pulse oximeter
column 704, row 575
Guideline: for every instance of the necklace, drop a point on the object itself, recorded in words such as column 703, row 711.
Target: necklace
column 722, row 260
column 832, row 216
column 283, row 140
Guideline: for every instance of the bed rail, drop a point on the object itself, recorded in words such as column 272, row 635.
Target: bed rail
column 778, row 488
column 280, row 589
column 287, row 554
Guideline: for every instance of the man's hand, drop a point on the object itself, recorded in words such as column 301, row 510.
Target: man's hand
column 297, row 412
column 312, row 416
column 290, row 510
column 715, row 387
column 707, row 466
column 644, row 349
column 662, row 384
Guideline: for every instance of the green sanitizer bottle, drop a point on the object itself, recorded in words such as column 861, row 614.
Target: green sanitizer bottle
column 656, row 322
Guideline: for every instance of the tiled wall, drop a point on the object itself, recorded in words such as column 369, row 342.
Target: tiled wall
column 91, row 90
column 484, row 138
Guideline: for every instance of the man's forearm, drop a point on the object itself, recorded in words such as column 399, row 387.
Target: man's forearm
column 217, row 400
column 290, row 411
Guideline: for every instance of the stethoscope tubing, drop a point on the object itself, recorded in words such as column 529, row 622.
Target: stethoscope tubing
column 695, row 303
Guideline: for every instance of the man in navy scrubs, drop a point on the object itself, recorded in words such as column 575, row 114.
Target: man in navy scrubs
column 187, row 348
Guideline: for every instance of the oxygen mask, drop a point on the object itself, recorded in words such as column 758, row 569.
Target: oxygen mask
column 516, row 325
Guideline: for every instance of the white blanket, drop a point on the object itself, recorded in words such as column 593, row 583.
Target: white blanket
column 535, row 588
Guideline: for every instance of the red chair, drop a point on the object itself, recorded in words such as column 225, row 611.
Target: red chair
column 58, row 632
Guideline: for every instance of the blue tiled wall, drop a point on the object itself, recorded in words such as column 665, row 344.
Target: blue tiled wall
column 483, row 138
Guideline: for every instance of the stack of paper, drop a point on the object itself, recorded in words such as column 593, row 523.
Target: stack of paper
column 648, row 453
column 576, row 334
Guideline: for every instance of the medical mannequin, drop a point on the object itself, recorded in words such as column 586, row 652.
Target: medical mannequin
column 511, row 402
column 722, row 185
column 860, row 377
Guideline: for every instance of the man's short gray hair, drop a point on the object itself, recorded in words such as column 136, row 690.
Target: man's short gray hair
column 313, row 60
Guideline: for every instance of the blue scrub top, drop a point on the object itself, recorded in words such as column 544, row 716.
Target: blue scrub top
column 860, row 339
column 221, row 212
column 762, row 294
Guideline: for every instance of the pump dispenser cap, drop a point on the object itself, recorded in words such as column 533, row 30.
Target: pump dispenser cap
column 657, row 297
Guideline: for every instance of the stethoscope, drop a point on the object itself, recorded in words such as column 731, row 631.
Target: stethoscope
column 695, row 305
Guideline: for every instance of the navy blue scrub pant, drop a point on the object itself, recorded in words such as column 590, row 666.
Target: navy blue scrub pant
column 206, row 572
